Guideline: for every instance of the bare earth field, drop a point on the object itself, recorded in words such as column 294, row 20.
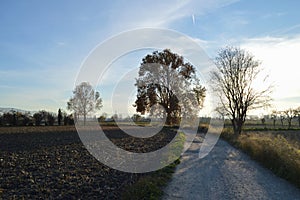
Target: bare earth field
column 51, row 162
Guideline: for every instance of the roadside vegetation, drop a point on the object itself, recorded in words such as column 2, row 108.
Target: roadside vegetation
column 150, row 186
column 278, row 150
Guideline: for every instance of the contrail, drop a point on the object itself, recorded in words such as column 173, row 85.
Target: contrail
column 193, row 18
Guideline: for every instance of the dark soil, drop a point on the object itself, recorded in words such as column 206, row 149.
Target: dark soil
column 55, row 165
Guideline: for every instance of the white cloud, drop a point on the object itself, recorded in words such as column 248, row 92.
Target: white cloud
column 280, row 58
column 134, row 14
column 60, row 43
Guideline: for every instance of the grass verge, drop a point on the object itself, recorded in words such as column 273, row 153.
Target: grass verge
column 150, row 185
column 273, row 151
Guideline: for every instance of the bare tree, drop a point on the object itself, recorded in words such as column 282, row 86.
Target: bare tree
column 282, row 117
column 84, row 101
column 289, row 115
column 222, row 112
column 50, row 119
column 263, row 121
column 274, row 117
column 297, row 114
column 165, row 79
column 232, row 82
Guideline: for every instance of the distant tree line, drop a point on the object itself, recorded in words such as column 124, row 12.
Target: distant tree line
column 40, row 118
column 284, row 117
column 134, row 118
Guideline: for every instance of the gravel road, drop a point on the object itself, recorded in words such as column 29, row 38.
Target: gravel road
column 226, row 173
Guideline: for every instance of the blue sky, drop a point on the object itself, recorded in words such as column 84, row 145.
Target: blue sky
column 44, row 43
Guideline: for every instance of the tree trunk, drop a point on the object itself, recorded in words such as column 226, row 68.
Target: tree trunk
column 237, row 126
column 169, row 119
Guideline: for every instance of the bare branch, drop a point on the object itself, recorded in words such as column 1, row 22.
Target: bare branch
column 233, row 83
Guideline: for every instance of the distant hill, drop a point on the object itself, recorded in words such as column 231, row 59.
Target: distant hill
column 5, row 110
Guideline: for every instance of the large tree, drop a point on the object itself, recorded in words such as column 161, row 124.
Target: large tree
column 166, row 80
column 232, row 82
column 84, row 101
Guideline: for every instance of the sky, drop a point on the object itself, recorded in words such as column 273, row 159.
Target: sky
column 43, row 44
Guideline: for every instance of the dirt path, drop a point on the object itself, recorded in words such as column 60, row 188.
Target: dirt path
column 225, row 173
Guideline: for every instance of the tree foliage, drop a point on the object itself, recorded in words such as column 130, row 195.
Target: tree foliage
column 38, row 117
column 233, row 81
column 42, row 117
column 166, row 80
column 102, row 118
column 84, row 101
column 136, row 117
column 15, row 118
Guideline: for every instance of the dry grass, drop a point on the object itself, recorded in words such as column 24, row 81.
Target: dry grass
column 278, row 152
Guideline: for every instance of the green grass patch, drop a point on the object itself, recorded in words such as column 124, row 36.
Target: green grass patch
column 150, row 185
column 274, row 151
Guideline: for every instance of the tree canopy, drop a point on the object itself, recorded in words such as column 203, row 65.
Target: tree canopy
column 84, row 101
column 166, row 80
